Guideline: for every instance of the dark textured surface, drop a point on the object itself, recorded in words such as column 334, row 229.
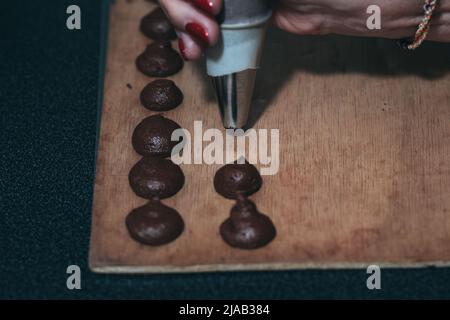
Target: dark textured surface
column 246, row 227
column 154, row 223
column 159, row 60
column 49, row 84
column 153, row 136
column 153, row 177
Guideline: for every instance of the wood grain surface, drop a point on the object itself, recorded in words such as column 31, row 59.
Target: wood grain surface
column 364, row 156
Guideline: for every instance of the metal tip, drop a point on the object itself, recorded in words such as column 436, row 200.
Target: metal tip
column 234, row 94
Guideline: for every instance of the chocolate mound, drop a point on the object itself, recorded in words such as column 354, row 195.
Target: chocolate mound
column 159, row 60
column 156, row 178
column 246, row 228
column 152, row 137
column 161, row 95
column 156, row 26
column 234, row 179
column 154, row 224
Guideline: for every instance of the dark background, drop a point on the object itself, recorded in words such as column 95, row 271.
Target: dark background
column 50, row 80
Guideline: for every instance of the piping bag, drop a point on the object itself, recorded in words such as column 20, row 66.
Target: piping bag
column 233, row 62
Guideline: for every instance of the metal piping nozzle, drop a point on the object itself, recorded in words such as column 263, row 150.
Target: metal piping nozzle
column 234, row 95
column 233, row 62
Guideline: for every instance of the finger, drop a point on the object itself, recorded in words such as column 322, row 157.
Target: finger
column 189, row 48
column 211, row 7
column 439, row 33
column 299, row 23
column 187, row 18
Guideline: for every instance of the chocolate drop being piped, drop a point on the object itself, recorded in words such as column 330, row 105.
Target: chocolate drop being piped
column 233, row 179
column 159, row 60
column 161, row 95
column 246, row 228
column 156, row 26
column 153, row 136
column 156, row 178
column 154, row 224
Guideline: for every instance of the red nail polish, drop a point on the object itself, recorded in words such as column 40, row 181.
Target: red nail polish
column 198, row 32
column 182, row 49
column 205, row 5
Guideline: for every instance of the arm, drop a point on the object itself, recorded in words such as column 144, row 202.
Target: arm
column 399, row 18
column 197, row 28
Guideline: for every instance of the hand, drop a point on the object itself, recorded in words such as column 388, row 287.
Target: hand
column 399, row 18
column 197, row 28
column 195, row 24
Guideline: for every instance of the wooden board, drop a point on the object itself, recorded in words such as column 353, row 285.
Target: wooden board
column 364, row 166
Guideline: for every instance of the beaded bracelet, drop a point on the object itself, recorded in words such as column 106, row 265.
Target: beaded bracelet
column 423, row 29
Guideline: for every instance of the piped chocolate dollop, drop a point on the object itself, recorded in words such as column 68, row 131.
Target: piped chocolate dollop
column 156, row 26
column 159, row 60
column 153, row 136
column 154, row 177
column 161, row 95
column 246, row 228
column 233, row 179
column 154, row 224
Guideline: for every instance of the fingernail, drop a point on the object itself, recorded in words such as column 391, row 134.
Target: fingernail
column 198, row 32
column 205, row 5
column 182, row 49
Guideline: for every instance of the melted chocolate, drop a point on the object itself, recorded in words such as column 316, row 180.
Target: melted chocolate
column 152, row 137
column 154, row 224
column 246, row 228
column 156, row 178
column 234, row 179
column 156, row 26
column 159, row 60
column 161, row 95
